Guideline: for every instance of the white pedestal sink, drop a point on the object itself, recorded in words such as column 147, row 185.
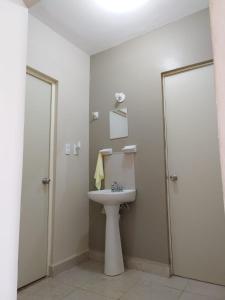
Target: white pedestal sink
column 113, row 252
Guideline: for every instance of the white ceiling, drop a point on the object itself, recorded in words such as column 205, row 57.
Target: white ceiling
column 94, row 29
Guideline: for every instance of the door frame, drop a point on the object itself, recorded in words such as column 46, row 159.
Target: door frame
column 164, row 75
column 52, row 157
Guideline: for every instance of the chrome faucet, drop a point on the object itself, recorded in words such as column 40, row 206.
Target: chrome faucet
column 115, row 187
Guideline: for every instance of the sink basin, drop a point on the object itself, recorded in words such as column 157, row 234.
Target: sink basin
column 107, row 197
column 114, row 264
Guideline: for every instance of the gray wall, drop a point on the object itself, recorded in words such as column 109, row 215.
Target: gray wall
column 135, row 68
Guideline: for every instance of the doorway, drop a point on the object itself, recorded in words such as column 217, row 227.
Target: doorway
column 194, row 185
column 38, row 178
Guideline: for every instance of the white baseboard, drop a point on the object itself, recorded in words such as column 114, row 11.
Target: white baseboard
column 136, row 263
column 68, row 263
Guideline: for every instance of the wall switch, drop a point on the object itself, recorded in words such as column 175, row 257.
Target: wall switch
column 76, row 148
column 67, row 149
column 75, row 152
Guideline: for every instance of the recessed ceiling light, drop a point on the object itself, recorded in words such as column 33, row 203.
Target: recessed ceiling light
column 121, row 6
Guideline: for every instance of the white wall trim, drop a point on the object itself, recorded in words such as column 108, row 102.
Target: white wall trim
column 136, row 263
column 53, row 84
column 169, row 215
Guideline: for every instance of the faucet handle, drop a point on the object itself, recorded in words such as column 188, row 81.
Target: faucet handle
column 114, row 186
column 120, row 188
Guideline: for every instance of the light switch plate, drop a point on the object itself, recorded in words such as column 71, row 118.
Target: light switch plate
column 67, row 149
column 76, row 148
column 75, row 152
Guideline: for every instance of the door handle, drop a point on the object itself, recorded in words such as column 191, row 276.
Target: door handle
column 173, row 177
column 46, row 180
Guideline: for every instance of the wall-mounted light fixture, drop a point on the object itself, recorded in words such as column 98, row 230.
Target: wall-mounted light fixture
column 120, row 97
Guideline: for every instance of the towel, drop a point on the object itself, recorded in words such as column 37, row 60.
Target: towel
column 99, row 172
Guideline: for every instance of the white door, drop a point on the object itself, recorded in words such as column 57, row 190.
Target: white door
column 194, row 177
column 34, row 203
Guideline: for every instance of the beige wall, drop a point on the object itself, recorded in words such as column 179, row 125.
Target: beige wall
column 13, row 32
column 135, row 68
column 217, row 14
column 53, row 55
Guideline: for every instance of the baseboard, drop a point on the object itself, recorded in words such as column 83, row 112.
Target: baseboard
column 96, row 256
column 136, row 263
column 148, row 266
column 68, row 263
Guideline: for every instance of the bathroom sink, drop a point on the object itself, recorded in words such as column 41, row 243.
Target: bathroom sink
column 114, row 264
column 107, row 197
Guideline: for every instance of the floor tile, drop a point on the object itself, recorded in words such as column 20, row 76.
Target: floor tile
column 205, row 289
column 172, row 282
column 88, row 282
column 141, row 292
column 21, row 296
column 92, row 266
column 47, row 289
column 25, row 296
column 190, row 296
column 84, row 295
column 112, row 287
column 77, row 277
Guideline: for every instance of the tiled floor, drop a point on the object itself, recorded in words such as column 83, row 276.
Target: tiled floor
column 87, row 282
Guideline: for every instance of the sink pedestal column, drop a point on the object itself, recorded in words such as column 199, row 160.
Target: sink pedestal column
column 113, row 252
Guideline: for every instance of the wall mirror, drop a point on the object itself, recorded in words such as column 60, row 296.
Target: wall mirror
column 118, row 120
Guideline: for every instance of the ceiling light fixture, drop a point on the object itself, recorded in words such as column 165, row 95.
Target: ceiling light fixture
column 121, row 6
